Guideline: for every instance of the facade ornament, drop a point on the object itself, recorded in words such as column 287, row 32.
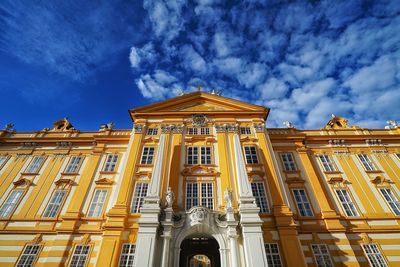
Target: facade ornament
column 62, row 126
column 28, row 144
column 231, row 128
column 338, row 123
column 172, row 128
column 259, row 127
column 9, row 127
column 215, row 92
column 170, row 197
column 373, row 142
column 199, row 120
column 288, row 124
column 336, row 142
column 107, row 126
column 139, row 128
column 197, row 215
column 392, row 125
column 64, row 144
column 228, row 198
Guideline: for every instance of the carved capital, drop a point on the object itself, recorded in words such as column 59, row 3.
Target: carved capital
column 259, row 127
column 231, row 128
column 172, row 128
column 139, row 128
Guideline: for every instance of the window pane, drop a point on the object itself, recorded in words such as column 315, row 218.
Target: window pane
column 346, row 202
column 10, row 203
column 53, row 207
column 260, row 196
column 273, row 256
column 374, row 255
column 127, row 255
column 111, row 162
column 35, row 164
column 138, row 197
column 251, row 155
column 96, row 207
column 302, row 202
column 80, row 256
column 28, row 256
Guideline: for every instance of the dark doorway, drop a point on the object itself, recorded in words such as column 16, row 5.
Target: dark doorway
column 199, row 252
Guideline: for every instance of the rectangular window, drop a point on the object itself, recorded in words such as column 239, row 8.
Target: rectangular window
column 327, row 163
column 398, row 155
column 3, row 160
column 321, row 255
column 127, row 255
column 245, row 130
column 54, row 205
column 392, row 200
column 302, row 202
column 73, row 164
column 205, row 155
column 10, row 203
column 288, row 162
column 192, row 155
column 273, row 255
column 198, row 131
column 346, row 202
column 138, row 196
column 148, row 155
column 204, row 131
column 192, row 131
column 260, row 196
column 152, row 131
column 251, row 154
column 80, row 256
column 96, row 207
column 28, row 256
column 199, row 193
column 368, row 164
column 374, row 255
column 35, row 164
column 111, row 162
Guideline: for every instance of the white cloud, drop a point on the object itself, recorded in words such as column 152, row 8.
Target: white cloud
column 134, row 57
column 272, row 88
column 192, row 59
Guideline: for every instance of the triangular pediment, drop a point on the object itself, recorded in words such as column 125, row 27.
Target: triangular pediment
column 198, row 102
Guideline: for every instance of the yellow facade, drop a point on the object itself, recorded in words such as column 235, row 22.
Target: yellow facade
column 330, row 194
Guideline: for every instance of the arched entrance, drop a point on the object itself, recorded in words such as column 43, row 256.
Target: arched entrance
column 199, row 251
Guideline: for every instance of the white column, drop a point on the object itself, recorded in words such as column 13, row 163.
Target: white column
column 250, row 221
column 148, row 222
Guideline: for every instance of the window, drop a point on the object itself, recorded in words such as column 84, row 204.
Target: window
column 374, row 255
column 368, row 165
column 148, row 155
column 273, row 256
column 303, row 205
column 321, row 255
column 96, row 207
column 397, row 154
column 251, row 154
column 111, row 162
column 199, row 193
column 197, row 131
column 10, row 203
column 260, row 196
column 28, row 256
column 392, row 200
column 73, row 164
column 288, row 162
column 193, row 155
column 3, row 160
column 54, row 205
column 80, row 256
column 127, row 255
column 346, row 202
column 138, row 197
column 35, row 164
column 245, row 130
column 327, row 163
column 152, row 131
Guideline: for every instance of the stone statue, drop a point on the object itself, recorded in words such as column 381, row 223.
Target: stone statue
column 288, row 124
column 228, row 198
column 392, row 125
column 170, row 197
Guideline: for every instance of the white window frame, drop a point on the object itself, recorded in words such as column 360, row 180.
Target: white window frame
column 9, row 205
column 73, row 164
column 374, row 255
column 245, row 130
column 97, row 204
column 152, row 131
column 29, row 255
column 80, row 256
column 346, row 202
column 3, row 161
column 110, row 163
column 147, row 155
column 198, row 131
column 321, row 255
column 251, row 155
column 259, row 193
column 196, row 154
column 273, row 255
column 127, row 257
column 327, row 163
column 366, row 162
column 289, row 163
column 203, row 197
column 302, row 202
column 391, row 199
column 56, row 201
column 35, row 165
column 138, row 196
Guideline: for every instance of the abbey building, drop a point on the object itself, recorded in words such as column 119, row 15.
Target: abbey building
column 199, row 181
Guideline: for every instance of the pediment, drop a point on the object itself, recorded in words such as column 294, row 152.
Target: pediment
column 198, row 102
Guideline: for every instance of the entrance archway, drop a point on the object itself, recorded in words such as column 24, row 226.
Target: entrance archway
column 201, row 250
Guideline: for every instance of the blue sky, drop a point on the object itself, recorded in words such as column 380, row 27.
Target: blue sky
column 92, row 61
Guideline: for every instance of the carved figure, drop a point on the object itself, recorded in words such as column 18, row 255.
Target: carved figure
column 228, row 198
column 288, row 124
column 170, row 196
